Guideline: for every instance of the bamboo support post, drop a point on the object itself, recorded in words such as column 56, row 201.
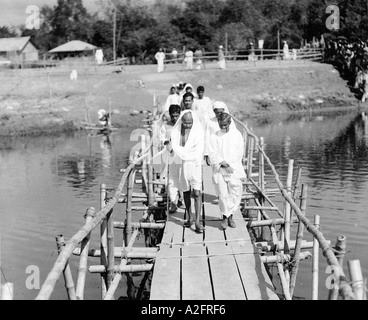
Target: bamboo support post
column 315, row 261
column 295, row 191
column 7, row 291
column 110, row 293
column 128, row 211
column 82, row 269
column 261, row 176
column 151, row 197
column 299, row 240
column 340, row 249
column 110, row 248
column 144, row 163
column 356, row 278
column 110, row 113
column 68, row 278
column 280, row 268
column 103, row 240
column 287, row 207
column 245, row 139
column 250, row 157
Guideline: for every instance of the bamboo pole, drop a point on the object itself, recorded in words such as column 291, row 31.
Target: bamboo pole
column 315, row 262
column 50, row 91
column 110, row 293
column 280, row 268
column 144, row 163
column 245, row 140
column 123, row 269
column 140, row 225
column 55, row 273
column 261, row 166
column 103, row 239
column 110, row 113
column 118, row 251
column 68, row 278
column 110, row 248
column 271, row 247
column 287, row 208
column 282, row 258
column 250, row 157
column 151, row 197
column 356, row 277
column 128, row 211
column 340, row 248
column 296, row 188
column 7, row 291
column 82, row 269
column 299, row 239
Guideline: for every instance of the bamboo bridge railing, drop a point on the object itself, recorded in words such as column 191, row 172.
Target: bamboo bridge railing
column 281, row 246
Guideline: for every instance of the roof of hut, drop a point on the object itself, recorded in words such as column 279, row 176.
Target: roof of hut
column 13, row 44
column 74, row 46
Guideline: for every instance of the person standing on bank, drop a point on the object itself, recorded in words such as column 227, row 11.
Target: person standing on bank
column 221, row 58
column 160, row 58
column 226, row 152
column 186, row 151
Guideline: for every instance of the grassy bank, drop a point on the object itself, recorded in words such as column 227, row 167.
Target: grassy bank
column 47, row 102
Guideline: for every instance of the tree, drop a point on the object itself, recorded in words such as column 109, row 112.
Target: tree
column 70, row 21
column 7, row 32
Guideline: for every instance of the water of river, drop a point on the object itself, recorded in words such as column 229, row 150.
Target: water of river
column 48, row 182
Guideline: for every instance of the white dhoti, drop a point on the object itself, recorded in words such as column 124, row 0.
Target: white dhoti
column 227, row 147
column 230, row 193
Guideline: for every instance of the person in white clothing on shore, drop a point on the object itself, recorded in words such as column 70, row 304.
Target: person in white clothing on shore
column 226, row 152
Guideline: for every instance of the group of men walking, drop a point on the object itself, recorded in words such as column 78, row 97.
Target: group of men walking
column 199, row 132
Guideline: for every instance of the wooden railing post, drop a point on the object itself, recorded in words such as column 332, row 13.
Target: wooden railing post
column 103, row 239
column 299, row 239
column 315, row 260
column 69, row 283
column 340, row 248
column 110, row 249
column 82, row 269
column 128, row 212
column 356, row 278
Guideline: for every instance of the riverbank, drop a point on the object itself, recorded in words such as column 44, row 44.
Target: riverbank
column 38, row 101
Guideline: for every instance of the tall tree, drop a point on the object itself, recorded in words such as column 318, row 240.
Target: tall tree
column 7, row 32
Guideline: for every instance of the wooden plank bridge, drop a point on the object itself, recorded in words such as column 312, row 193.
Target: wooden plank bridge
column 215, row 265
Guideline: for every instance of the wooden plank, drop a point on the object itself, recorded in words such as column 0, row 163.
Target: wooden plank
column 175, row 226
column 166, row 276
column 196, row 281
column 225, row 276
column 256, row 281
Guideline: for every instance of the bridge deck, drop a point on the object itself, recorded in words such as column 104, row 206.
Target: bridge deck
column 216, row 265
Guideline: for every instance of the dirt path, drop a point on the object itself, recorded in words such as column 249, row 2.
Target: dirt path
column 33, row 102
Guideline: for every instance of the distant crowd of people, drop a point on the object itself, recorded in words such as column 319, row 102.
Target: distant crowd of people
column 192, row 60
column 351, row 58
column 197, row 131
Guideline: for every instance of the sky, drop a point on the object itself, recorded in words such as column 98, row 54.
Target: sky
column 13, row 12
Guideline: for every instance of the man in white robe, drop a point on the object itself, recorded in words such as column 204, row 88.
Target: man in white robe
column 160, row 57
column 226, row 152
column 186, row 149
column 189, row 59
column 213, row 125
column 203, row 105
column 173, row 98
column 165, row 136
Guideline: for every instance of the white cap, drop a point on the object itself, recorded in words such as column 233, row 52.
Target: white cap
column 219, row 105
column 220, row 46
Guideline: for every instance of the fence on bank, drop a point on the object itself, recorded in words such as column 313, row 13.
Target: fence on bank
column 280, row 251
